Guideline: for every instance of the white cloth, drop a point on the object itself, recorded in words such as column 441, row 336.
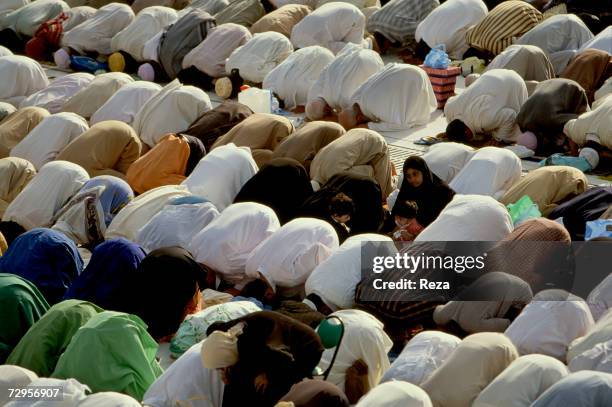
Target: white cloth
column 361, row 4
column 187, row 383
column 365, row 339
column 212, row 7
column 259, row 56
column 5, row 51
column 109, row 399
column 601, row 332
column 549, row 326
column 581, row 389
column 474, row 218
column 490, row 105
column 54, row 96
column 331, row 26
column 598, row 358
column 72, row 393
column 226, row 243
column 171, row 110
column 176, row 225
column 141, row 209
column 602, row 93
column 291, row 79
column 26, row 20
column 559, row 37
column 421, row 356
column 210, row 56
column 96, row 33
column 448, row 23
column 147, row 23
column 12, row 377
column 341, row 78
column 602, row 41
column 598, row 121
column 76, row 15
column 335, row 279
column 600, row 299
column 9, row 5
column 221, row 174
column 395, row 394
column 287, row 258
column 126, row 102
column 47, row 140
column 20, row 77
column 491, row 171
column 54, row 185
column 382, row 98
column 521, row 383
column 446, row 160
column 150, row 50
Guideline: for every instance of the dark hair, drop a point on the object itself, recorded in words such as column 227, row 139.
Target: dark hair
column 255, row 289
column 455, row 131
column 341, row 204
column 11, row 231
column 406, row 209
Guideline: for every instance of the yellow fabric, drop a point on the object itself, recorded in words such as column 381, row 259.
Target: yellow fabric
column 15, row 173
column 116, row 62
column 3, row 244
column 548, row 186
column 15, row 127
column 164, row 164
column 107, row 148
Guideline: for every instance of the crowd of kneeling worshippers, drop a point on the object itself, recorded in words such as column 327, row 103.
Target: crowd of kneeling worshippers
column 137, row 217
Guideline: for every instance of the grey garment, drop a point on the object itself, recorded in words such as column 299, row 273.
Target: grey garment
column 242, row 12
column 210, row 6
column 581, row 389
column 553, row 103
column 398, row 19
column 181, row 37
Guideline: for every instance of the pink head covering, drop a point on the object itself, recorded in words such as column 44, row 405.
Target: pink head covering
column 61, row 58
column 528, row 139
column 146, row 72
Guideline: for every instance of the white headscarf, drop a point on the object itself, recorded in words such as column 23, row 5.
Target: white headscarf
column 210, row 56
column 171, row 110
column 141, row 209
column 549, row 326
column 72, row 393
column 491, row 171
column 187, row 382
column 602, row 41
column 395, row 394
column 76, row 15
column 226, row 243
column 109, row 399
column 581, row 389
column 221, row 174
column 559, row 37
column 96, row 33
column 446, row 160
column 48, row 191
column 26, row 20
column 126, row 102
column 291, row 79
column 421, row 356
column 364, row 338
column 602, row 93
column 259, row 56
column 9, row 5
column 176, row 225
column 600, row 299
column 597, row 358
column 45, row 141
column 13, row 377
column 448, row 23
column 20, row 77
column 382, row 98
column 90, row 98
column 212, row 7
column 58, row 92
column 341, row 78
column 287, row 258
column 600, row 333
column 147, row 23
column 521, row 383
column 5, row 51
column 331, row 26
column 150, row 50
column 335, row 279
column 473, row 218
column 82, row 218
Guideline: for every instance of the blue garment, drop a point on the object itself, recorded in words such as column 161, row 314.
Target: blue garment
column 46, row 258
column 111, row 265
column 189, row 199
column 117, row 193
column 559, row 159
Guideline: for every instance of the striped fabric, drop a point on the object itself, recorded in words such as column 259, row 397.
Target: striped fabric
column 509, row 19
column 398, row 19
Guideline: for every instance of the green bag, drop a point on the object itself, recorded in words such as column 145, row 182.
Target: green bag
column 522, row 210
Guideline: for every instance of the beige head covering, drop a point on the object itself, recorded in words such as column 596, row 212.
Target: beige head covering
column 220, row 349
column 282, row 19
column 91, row 98
column 15, row 127
column 307, row 141
column 15, row 173
column 477, row 360
column 529, row 61
column 108, row 148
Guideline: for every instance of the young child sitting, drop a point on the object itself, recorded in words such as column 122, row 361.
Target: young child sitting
column 408, row 227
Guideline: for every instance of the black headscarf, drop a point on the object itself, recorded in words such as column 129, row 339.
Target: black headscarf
column 196, row 152
column 161, row 288
column 587, row 206
column 282, row 184
column 431, row 196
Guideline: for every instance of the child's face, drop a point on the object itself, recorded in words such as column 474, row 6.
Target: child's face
column 402, row 221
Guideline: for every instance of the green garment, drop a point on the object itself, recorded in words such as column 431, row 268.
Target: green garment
column 112, row 352
column 21, row 305
column 42, row 346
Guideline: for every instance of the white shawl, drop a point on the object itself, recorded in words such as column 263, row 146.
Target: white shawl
column 76, row 15
column 171, row 110
column 602, row 41
column 581, row 389
column 45, row 141
column 26, row 20
column 600, row 333
column 13, row 377
column 395, row 394
column 600, row 299
column 54, row 96
column 447, row 159
column 49, row 190
column 126, row 102
column 221, row 174
column 226, row 243
column 89, row 99
column 20, row 77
